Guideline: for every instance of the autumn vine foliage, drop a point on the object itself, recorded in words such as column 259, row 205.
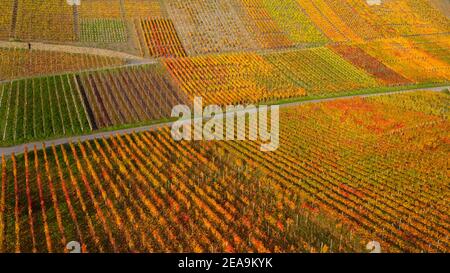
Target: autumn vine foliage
column 354, row 165
column 341, row 177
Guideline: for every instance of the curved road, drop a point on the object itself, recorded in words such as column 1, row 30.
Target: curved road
column 7, row 151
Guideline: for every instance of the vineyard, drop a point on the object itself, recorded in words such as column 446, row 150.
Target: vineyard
column 353, row 20
column 103, row 31
column 117, row 97
column 320, row 71
column 145, row 192
column 5, row 19
column 19, row 63
column 163, row 210
column 116, row 9
column 231, row 78
column 219, row 25
column 209, row 26
column 58, row 25
column 143, row 9
column 161, row 38
column 241, row 25
column 265, row 31
column 438, row 47
column 71, row 104
column 296, row 25
column 88, row 91
column 95, row 21
column 418, row 17
column 130, row 95
column 94, row 9
column 369, row 64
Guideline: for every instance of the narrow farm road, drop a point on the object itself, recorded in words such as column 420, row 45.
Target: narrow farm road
column 72, row 49
column 18, row 149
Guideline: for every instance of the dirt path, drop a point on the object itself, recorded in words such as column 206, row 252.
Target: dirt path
column 71, row 49
column 443, row 6
column 7, row 151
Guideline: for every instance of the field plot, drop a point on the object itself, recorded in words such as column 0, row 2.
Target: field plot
column 443, row 6
column 207, row 26
column 347, row 171
column 354, row 15
column 341, row 177
column 321, row 71
column 143, row 9
column 326, row 20
column 103, row 31
column 290, row 18
column 402, row 56
column 355, row 20
column 6, row 12
column 265, row 31
column 129, row 95
column 51, row 20
column 409, row 18
column 371, row 65
column 350, row 158
column 94, row 9
column 161, row 38
column 18, row 63
column 147, row 193
column 39, row 108
column 231, row 78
